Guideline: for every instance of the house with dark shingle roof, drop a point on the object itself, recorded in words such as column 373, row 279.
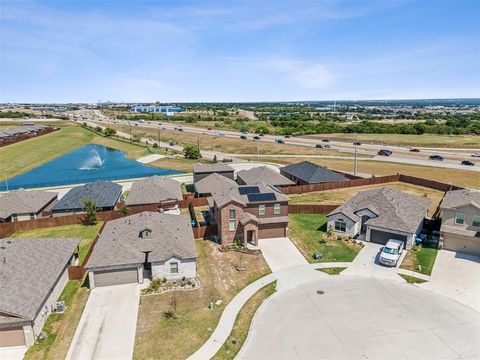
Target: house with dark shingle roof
column 306, row 172
column 262, row 175
column 201, row 171
column 105, row 195
column 33, row 273
column 213, row 183
column 21, row 205
column 157, row 245
column 460, row 230
column 379, row 215
column 154, row 190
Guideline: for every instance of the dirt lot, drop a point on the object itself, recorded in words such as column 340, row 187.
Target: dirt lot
column 338, row 196
column 161, row 338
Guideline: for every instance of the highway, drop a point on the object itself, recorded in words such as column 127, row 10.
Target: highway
column 401, row 155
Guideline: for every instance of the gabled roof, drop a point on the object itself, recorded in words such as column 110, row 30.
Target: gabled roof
column 103, row 193
column 217, row 167
column 263, row 174
column 153, row 190
column 460, row 198
column 120, row 242
column 312, row 173
column 21, row 130
column 234, row 194
column 29, row 269
column 397, row 210
column 214, row 183
column 248, row 217
column 24, row 202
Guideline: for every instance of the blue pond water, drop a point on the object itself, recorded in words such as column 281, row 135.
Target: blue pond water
column 86, row 164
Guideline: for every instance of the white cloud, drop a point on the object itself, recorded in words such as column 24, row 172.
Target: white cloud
column 306, row 74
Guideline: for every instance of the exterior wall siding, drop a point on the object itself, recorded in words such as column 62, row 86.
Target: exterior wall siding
column 186, row 268
column 352, row 229
column 269, row 209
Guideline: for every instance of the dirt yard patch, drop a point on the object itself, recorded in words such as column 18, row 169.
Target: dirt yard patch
column 338, row 196
column 160, row 337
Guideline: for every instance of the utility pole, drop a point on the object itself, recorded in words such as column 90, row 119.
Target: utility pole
column 198, row 143
column 355, row 165
column 130, row 123
column 258, row 149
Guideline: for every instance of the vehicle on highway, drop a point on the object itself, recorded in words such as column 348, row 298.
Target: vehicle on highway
column 414, row 150
column 171, row 143
column 287, row 136
column 384, row 152
column 325, row 140
column 436, row 157
column 468, row 163
column 175, row 128
column 391, row 252
column 180, row 129
column 280, row 141
column 327, row 147
column 244, row 132
column 141, row 121
column 319, row 146
column 219, row 133
column 476, row 155
column 209, row 128
column 261, row 134
column 357, row 143
column 136, row 124
column 256, row 137
column 243, row 137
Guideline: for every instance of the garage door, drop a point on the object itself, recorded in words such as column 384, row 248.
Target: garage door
column 463, row 245
column 115, row 277
column 382, row 237
column 272, row 231
column 12, row 337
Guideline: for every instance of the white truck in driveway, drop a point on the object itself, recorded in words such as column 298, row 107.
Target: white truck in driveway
column 391, row 252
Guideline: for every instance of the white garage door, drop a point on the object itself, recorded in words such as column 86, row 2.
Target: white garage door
column 463, row 245
column 116, row 277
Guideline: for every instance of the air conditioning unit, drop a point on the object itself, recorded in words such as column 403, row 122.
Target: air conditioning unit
column 59, row 307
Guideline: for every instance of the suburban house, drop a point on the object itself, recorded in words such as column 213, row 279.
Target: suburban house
column 213, row 183
column 379, row 215
column 21, row 205
column 30, row 129
column 201, row 171
column 144, row 245
column 249, row 213
column 33, row 273
column 460, row 229
column 262, row 175
column 105, row 194
column 306, row 172
column 155, row 190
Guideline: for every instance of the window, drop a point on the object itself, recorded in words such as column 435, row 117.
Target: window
column 32, row 216
column 476, row 220
column 232, row 225
column 232, row 214
column 340, row 225
column 459, row 218
column 174, row 267
column 276, row 209
column 145, row 233
column 261, row 209
column 14, row 217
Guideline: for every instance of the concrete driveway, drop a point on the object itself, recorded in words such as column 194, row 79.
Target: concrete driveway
column 108, row 324
column 457, row 276
column 362, row 318
column 366, row 264
column 13, row 353
column 281, row 253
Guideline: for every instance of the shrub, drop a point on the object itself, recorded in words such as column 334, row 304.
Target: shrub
column 90, row 208
column 192, row 152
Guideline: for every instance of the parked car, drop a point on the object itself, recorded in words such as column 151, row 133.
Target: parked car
column 476, row 155
column 357, row 143
column 468, row 163
column 436, row 157
column 384, row 152
column 325, row 140
column 391, row 252
column 414, row 150
column 243, row 137
column 280, row 141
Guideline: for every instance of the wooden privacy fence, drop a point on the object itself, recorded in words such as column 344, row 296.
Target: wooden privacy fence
column 436, row 185
column 311, row 208
column 22, row 137
column 204, row 231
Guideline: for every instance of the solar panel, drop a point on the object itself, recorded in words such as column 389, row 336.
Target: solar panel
column 248, row 190
column 261, row 197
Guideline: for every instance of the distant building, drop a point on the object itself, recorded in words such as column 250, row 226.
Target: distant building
column 166, row 110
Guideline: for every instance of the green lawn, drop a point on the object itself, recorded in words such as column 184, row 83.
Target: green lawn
column 332, row 270
column 23, row 156
column 241, row 327
column 86, row 233
column 60, row 328
column 307, row 231
column 420, row 259
column 412, row 279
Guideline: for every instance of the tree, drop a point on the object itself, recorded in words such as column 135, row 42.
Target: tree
column 90, row 208
column 98, row 129
column 192, row 152
column 109, row 132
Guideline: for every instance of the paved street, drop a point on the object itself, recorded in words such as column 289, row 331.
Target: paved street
column 108, row 324
column 362, row 318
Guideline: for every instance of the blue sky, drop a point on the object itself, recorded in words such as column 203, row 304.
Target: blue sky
column 176, row 51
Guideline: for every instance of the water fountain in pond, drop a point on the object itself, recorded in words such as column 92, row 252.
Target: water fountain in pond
column 94, row 161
